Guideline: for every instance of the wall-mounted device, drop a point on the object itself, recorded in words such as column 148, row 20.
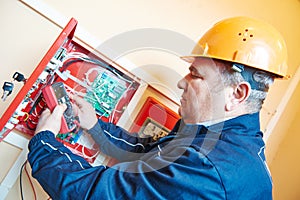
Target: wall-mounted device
column 154, row 119
column 69, row 68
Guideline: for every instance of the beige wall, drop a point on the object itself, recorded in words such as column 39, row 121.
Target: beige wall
column 26, row 36
column 24, row 39
column 286, row 164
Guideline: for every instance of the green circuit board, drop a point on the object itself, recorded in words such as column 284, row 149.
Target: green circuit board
column 105, row 93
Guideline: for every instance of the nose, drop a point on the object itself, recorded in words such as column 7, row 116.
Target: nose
column 182, row 83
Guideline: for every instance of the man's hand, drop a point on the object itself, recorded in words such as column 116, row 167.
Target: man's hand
column 51, row 121
column 86, row 113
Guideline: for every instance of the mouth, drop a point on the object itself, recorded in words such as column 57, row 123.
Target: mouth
column 182, row 100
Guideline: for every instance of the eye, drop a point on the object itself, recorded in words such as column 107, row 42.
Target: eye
column 195, row 75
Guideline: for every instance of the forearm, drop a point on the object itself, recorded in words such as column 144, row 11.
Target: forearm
column 118, row 143
column 45, row 143
column 52, row 164
column 64, row 175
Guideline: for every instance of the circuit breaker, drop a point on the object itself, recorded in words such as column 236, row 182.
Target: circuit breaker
column 107, row 86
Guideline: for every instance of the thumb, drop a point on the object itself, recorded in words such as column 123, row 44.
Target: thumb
column 59, row 110
column 45, row 113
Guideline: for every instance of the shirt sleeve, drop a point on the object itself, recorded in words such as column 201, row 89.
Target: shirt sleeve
column 117, row 142
column 64, row 175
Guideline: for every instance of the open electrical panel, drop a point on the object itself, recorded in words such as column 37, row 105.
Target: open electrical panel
column 81, row 72
column 69, row 67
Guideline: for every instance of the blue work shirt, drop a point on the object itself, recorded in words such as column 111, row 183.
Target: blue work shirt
column 222, row 161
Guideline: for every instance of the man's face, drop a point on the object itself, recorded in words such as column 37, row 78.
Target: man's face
column 203, row 93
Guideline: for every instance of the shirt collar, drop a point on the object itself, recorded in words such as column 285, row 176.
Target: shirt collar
column 249, row 123
column 210, row 123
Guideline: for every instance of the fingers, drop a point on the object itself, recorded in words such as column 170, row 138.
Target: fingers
column 51, row 121
column 59, row 110
column 79, row 101
column 82, row 104
column 75, row 109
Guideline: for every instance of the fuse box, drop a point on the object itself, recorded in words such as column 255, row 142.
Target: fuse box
column 108, row 87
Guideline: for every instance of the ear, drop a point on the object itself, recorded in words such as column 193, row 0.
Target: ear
column 238, row 96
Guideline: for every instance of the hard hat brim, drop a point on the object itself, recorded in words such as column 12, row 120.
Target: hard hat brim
column 191, row 58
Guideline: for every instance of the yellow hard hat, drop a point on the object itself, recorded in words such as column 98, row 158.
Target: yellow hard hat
column 246, row 41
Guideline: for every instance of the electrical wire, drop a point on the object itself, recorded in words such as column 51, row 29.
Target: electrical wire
column 87, row 74
column 21, row 186
column 30, row 127
column 78, row 58
column 27, row 116
column 30, row 181
column 73, row 91
column 84, row 143
column 111, row 117
column 74, row 57
column 89, row 157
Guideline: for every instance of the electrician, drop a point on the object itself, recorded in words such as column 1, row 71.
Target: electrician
column 216, row 150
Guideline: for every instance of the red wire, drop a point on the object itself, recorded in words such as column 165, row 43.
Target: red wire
column 30, row 181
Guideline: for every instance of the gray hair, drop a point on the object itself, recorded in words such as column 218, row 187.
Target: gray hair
column 233, row 78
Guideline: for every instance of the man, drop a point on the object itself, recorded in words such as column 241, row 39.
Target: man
column 215, row 151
